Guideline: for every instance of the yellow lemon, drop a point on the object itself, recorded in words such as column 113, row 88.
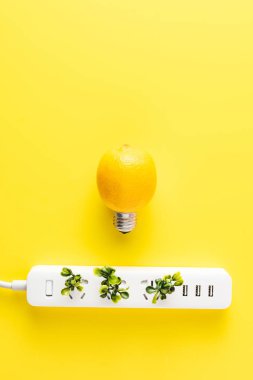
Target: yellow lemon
column 126, row 178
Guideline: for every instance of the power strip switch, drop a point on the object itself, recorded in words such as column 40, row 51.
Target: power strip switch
column 203, row 288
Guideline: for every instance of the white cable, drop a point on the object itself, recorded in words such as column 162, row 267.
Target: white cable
column 4, row 284
column 15, row 285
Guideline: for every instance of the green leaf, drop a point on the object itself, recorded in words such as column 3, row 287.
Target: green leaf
column 171, row 290
column 103, row 289
column 167, row 285
column 179, row 282
column 66, row 272
column 65, row 292
column 124, row 295
column 109, row 270
column 114, row 280
column 168, row 277
column 103, row 295
column 104, row 274
column 176, row 276
column 150, row 289
column 165, row 290
column 158, row 281
column 73, row 282
column 79, row 288
column 78, row 278
column 97, row 272
column 163, row 297
column 115, row 298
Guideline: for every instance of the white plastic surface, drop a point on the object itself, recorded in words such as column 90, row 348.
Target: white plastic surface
column 205, row 288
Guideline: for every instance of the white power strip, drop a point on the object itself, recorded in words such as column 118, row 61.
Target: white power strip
column 203, row 288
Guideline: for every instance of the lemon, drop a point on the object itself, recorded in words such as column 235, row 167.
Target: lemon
column 126, row 178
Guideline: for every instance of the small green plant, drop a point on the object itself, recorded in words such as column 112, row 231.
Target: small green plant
column 164, row 286
column 110, row 286
column 73, row 282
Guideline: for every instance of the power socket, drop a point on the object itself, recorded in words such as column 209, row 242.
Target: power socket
column 203, row 288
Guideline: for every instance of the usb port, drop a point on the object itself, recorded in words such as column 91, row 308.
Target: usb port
column 185, row 290
column 197, row 291
column 210, row 291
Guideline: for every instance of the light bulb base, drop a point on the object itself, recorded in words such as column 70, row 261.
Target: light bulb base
column 124, row 221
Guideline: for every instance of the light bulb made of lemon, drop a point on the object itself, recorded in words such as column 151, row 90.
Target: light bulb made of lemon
column 126, row 179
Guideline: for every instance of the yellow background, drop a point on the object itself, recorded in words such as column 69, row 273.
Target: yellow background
column 78, row 77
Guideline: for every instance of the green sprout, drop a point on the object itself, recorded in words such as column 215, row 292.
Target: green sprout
column 164, row 286
column 110, row 286
column 72, row 282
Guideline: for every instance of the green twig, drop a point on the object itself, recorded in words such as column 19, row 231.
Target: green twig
column 72, row 282
column 164, row 286
column 110, row 286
